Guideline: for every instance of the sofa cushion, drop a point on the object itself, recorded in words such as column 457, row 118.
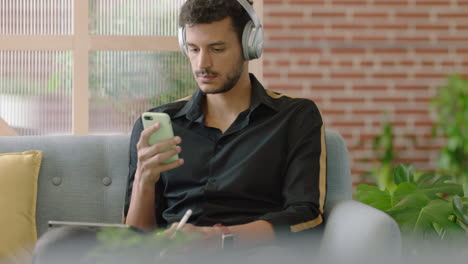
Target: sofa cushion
column 18, row 188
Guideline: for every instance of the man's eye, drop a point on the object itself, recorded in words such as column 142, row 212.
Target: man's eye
column 218, row 50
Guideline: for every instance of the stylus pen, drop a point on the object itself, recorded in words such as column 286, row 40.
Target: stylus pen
column 182, row 222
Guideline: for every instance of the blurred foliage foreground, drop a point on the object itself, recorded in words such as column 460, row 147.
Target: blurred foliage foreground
column 428, row 206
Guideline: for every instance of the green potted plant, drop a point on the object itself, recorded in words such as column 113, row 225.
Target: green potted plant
column 450, row 108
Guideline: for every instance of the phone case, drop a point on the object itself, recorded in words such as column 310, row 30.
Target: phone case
column 164, row 132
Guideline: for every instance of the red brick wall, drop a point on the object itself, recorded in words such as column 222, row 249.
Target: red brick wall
column 359, row 58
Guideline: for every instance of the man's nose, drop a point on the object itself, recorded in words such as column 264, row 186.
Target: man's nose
column 204, row 60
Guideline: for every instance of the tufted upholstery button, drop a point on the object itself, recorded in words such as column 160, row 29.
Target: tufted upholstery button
column 56, row 181
column 107, row 181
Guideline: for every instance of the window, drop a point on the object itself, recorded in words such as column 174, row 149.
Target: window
column 89, row 67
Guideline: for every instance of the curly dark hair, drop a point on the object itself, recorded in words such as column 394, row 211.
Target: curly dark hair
column 208, row 11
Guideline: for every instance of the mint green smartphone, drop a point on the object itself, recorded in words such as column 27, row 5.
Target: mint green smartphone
column 164, row 132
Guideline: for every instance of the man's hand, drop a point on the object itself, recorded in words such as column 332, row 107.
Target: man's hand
column 206, row 238
column 149, row 166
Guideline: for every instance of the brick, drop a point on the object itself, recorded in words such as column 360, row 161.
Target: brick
column 390, row 26
column 462, row 27
column 348, row 123
column 367, row 63
column 304, row 62
column 431, row 51
column 369, row 87
column 269, row 26
column 327, row 87
column 348, row 26
column 452, row 39
column 412, row 15
column 368, row 38
column 307, row 2
column 348, row 75
column 286, row 14
column 285, row 87
column 325, row 63
column 274, row 50
column 347, row 50
column 428, row 63
column 349, row 2
column 271, row 75
column 430, row 75
column 307, row 26
column 432, row 3
column 432, row 27
column 305, row 75
column 452, row 15
column 411, row 112
column 391, row 2
column 448, row 63
column 332, row 112
column 371, row 15
column 389, row 75
column 462, row 51
column 282, row 63
column 327, row 38
column 424, row 123
column 367, row 112
column 273, row 2
column 393, row 123
column 413, row 39
column 390, row 99
column 345, row 63
column 347, row 100
column 327, row 14
column 388, row 63
column 407, row 63
column 286, row 38
column 306, row 50
column 412, row 87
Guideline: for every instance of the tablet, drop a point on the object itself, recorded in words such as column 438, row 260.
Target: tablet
column 89, row 225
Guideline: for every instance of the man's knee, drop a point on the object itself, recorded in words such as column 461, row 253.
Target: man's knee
column 65, row 245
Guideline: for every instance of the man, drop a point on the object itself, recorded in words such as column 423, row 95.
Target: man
column 252, row 161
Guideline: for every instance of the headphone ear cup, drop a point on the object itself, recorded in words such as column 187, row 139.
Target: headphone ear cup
column 181, row 36
column 246, row 40
column 252, row 41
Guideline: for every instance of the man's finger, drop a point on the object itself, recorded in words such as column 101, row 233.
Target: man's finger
column 146, row 133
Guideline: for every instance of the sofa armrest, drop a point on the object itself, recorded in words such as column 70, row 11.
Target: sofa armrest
column 357, row 233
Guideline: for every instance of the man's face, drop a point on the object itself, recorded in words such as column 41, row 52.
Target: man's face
column 215, row 55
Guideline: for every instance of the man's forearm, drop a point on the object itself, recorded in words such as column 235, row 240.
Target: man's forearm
column 141, row 213
column 252, row 234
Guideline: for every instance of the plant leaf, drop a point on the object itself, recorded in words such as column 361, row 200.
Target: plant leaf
column 407, row 195
column 459, row 210
column 373, row 196
column 403, row 173
column 432, row 190
column 426, row 177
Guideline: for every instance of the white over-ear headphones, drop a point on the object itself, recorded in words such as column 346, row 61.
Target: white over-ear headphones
column 252, row 36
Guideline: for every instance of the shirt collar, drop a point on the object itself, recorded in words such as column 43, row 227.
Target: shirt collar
column 193, row 109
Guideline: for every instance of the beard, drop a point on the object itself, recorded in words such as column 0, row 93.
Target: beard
column 231, row 79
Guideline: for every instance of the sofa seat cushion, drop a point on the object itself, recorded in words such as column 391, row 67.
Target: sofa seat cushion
column 18, row 192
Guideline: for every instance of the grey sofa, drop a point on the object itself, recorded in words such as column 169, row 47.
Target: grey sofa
column 83, row 178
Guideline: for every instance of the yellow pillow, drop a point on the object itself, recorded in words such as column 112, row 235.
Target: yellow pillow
column 18, row 190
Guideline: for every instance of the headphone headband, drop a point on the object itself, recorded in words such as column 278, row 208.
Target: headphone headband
column 248, row 7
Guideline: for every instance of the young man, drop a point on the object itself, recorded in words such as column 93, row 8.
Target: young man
column 252, row 161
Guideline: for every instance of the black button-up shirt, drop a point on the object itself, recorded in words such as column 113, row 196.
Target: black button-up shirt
column 268, row 165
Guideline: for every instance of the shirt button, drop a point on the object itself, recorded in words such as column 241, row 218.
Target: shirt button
column 219, row 147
